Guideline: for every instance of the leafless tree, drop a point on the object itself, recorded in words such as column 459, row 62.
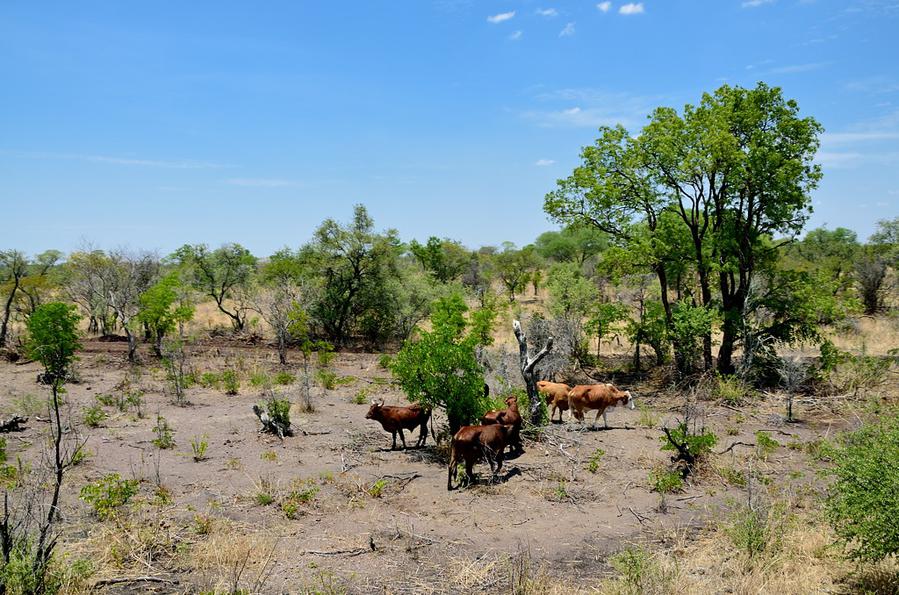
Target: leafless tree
column 13, row 268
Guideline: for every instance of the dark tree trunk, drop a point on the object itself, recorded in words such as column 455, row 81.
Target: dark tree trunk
column 7, row 312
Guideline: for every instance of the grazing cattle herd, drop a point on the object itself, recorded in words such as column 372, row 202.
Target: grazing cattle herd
column 501, row 427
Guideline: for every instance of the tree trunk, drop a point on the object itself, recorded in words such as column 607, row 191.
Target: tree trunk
column 132, row 343
column 527, row 365
column 282, row 351
column 7, row 312
column 728, row 337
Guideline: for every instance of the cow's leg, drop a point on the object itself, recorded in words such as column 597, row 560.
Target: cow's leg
column 599, row 412
column 469, row 470
column 394, row 440
column 605, row 419
column 423, row 435
column 403, row 438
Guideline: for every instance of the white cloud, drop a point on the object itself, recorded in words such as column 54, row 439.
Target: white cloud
column 544, row 162
column 756, row 3
column 604, row 6
column 795, row 68
column 499, row 18
column 568, row 31
column 260, row 182
column 631, row 8
column 516, row 36
column 830, row 139
column 128, row 161
column 547, row 12
column 591, row 108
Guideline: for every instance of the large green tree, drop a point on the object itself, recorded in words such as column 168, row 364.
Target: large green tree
column 735, row 170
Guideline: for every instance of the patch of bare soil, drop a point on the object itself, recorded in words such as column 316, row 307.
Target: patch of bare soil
column 333, row 509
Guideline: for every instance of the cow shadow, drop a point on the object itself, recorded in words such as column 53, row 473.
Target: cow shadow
column 480, row 480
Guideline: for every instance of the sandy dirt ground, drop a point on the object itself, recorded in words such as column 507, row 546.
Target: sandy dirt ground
column 366, row 519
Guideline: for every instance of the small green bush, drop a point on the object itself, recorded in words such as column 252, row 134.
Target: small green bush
column 666, row 481
column 279, row 411
column 384, row 361
column 593, row 463
column 731, row 391
column 699, row 444
column 765, row 445
column 284, row 378
column 210, row 380
column 361, row 397
column 376, row 490
column 230, row 382
column 863, row 502
column 755, row 529
column 94, row 416
column 327, row 378
column 109, row 494
column 164, row 434
column 199, row 446
column 636, row 567
column 260, row 380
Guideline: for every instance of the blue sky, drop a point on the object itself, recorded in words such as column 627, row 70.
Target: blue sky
column 153, row 124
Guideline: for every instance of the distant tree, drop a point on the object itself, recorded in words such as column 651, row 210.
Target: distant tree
column 604, row 319
column 573, row 243
column 872, row 262
column 445, row 259
column 513, row 267
column 42, row 280
column 224, row 274
column 83, row 282
column 736, row 170
column 163, row 307
column 570, row 293
column 13, row 268
column 124, row 278
column 354, row 265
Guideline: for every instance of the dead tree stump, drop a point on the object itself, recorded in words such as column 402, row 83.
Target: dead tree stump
column 527, row 364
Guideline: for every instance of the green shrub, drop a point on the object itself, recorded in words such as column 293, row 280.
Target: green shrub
column 109, row 494
column 639, row 571
column 94, row 416
column 648, row 418
column 210, row 380
column 327, row 378
column 731, row 391
column 384, row 361
column 698, row 445
column 376, row 490
column 279, row 411
column 361, row 397
column 260, row 380
column 107, row 400
column 198, row 446
column 863, row 502
column 665, row 481
column 765, row 445
column 230, row 382
column 593, row 462
column 264, row 498
column 164, row 434
column 284, row 378
column 755, row 529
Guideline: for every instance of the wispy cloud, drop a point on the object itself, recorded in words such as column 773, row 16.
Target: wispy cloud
column 604, row 6
column 516, row 35
column 119, row 160
column 870, row 142
column 589, row 108
column 631, row 8
column 876, row 85
column 547, row 12
column 261, row 182
column 501, row 17
column 544, row 162
column 796, row 68
column 832, row 139
column 756, row 3
column 567, row 31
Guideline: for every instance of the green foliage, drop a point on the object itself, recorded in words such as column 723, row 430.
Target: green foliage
column 284, row 378
column 376, row 490
column 440, row 369
column 108, row 494
column 361, row 397
column 666, row 481
column 755, row 529
column 53, row 338
column 165, row 436
column 279, row 411
column 570, row 293
column 765, row 445
column 698, row 444
column 651, row 329
column 571, row 244
column 689, row 324
column 513, row 267
column 260, row 380
column 640, row 573
column 595, row 458
column 230, row 382
column 94, row 416
column 444, row 259
column 863, row 502
column 384, row 361
column 605, row 319
column 731, row 390
column 163, row 307
column 198, row 446
column 327, row 378
column 648, row 418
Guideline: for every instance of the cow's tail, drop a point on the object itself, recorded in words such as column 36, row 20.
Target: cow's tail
column 431, row 420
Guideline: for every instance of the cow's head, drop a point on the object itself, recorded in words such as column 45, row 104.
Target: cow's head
column 630, row 400
column 375, row 409
column 511, row 400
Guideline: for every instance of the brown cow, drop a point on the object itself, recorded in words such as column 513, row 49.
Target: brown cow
column 599, row 397
column 510, row 417
column 556, row 395
column 396, row 419
column 474, row 442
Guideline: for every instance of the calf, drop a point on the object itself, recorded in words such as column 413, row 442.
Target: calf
column 599, row 397
column 556, row 395
column 509, row 416
column 396, row 419
column 472, row 443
